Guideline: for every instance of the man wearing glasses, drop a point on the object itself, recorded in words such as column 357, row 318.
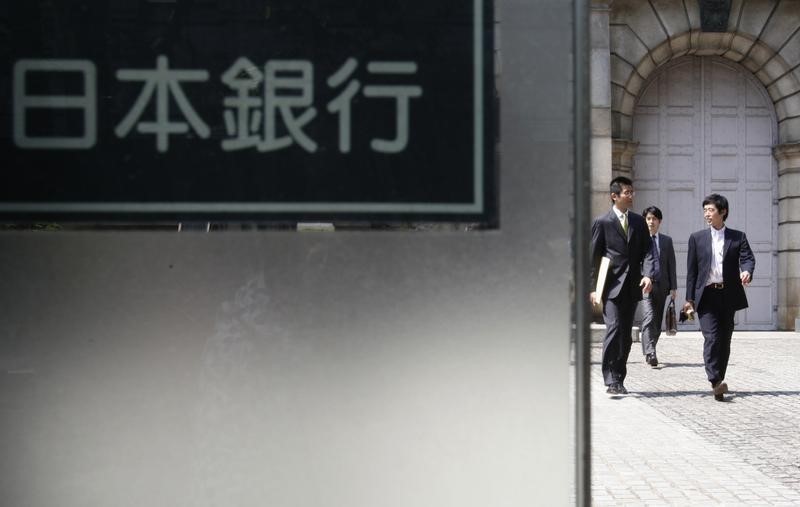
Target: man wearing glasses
column 719, row 265
column 620, row 235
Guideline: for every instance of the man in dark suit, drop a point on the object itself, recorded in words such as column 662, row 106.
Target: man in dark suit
column 665, row 281
column 719, row 265
column 621, row 235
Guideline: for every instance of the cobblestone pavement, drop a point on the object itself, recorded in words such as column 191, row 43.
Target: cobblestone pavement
column 669, row 443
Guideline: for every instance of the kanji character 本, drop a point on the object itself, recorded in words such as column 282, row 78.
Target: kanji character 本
column 162, row 81
column 401, row 94
column 244, row 116
column 341, row 104
column 288, row 84
column 85, row 101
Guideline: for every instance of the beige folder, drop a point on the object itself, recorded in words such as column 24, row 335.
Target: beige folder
column 602, row 274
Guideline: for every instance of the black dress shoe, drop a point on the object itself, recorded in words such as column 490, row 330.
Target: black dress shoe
column 616, row 388
column 652, row 359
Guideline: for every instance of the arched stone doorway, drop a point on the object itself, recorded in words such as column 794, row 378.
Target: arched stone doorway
column 703, row 125
column 633, row 40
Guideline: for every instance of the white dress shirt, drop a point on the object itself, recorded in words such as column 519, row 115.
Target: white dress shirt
column 717, row 245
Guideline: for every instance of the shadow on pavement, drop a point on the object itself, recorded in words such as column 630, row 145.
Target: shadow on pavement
column 731, row 395
column 745, row 394
column 679, row 365
column 662, row 364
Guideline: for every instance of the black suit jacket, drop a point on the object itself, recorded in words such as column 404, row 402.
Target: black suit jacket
column 630, row 255
column 669, row 276
column 736, row 257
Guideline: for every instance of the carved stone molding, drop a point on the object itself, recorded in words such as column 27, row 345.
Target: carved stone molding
column 788, row 157
column 714, row 15
column 622, row 152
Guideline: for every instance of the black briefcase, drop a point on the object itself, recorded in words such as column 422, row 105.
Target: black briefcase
column 670, row 321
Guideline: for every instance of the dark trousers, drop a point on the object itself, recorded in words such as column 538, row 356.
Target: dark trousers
column 716, row 323
column 652, row 317
column 618, row 317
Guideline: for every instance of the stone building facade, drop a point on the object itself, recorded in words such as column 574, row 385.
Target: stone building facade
column 691, row 97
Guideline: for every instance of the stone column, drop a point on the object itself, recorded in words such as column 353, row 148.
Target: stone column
column 622, row 154
column 601, row 106
column 788, row 156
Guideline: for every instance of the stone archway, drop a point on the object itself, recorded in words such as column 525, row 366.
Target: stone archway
column 764, row 37
column 768, row 66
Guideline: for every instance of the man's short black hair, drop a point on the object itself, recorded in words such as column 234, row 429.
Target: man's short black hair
column 655, row 211
column 617, row 184
column 720, row 202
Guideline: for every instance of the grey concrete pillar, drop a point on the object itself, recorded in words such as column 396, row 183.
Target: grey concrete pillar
column 601, row 105
column 788, row 157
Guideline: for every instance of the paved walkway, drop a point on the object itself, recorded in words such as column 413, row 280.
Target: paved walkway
column 669, row 443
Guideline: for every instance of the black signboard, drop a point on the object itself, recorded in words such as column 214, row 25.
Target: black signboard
column 250, row 109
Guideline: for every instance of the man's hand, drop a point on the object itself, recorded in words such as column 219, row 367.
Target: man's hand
column 673, row 293
column 745, row 277
column 688, row 311
column 646, row 284
column 593, row 298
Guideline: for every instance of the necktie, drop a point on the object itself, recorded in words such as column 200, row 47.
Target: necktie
column 625, row 223
column 656, row 259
